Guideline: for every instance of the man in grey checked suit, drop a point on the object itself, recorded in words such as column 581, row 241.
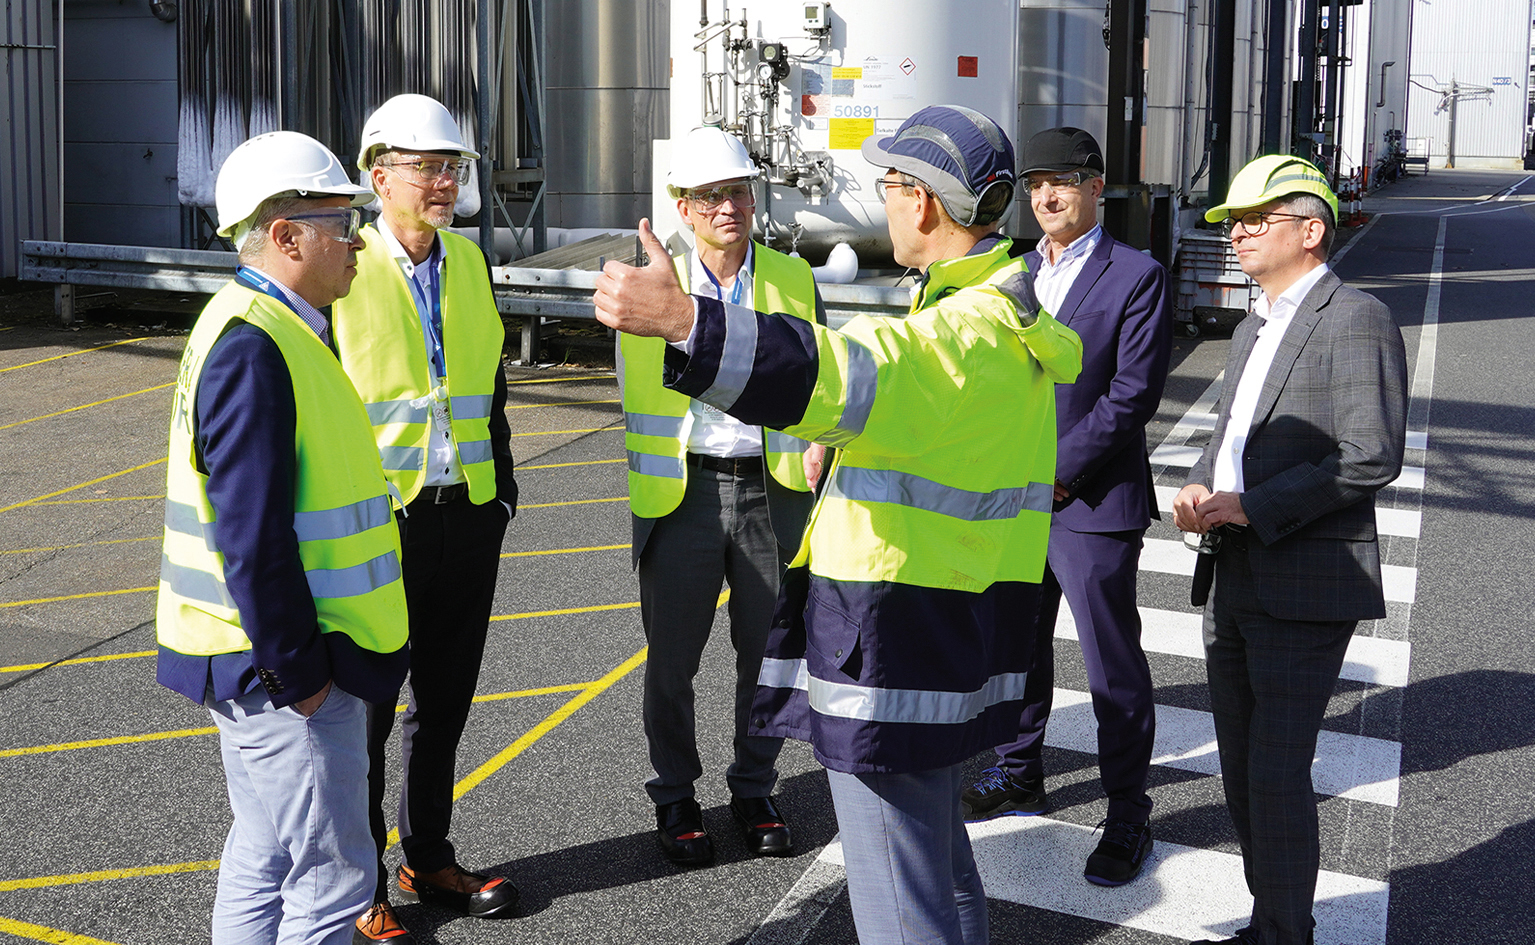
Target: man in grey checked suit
column 1311, row 424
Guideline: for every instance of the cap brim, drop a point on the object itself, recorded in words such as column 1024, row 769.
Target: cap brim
column 874, row 151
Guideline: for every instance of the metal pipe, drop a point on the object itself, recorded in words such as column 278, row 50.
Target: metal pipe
column 1225, row 26
column 482, row 33
column 1276, row 91
column 1303, row 123
column 1334, row 49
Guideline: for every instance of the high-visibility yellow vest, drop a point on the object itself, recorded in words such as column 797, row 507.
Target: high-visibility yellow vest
column 347, row 537
column 378, row 335
column 654, row 416
column 945, row 423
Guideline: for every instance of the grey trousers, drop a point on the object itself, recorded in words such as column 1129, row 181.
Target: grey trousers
column 1270, row 681
column 911, row 875
column 719, row 535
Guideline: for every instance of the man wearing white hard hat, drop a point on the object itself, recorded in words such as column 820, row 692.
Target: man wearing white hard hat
column 421, row 338
column 1312, row 422
column 281, row 606
column 714, row 501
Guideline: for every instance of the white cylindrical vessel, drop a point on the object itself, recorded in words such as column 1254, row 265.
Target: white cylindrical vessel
column 866, row 67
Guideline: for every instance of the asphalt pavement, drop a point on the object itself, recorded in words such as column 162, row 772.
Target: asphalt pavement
column 115, row 810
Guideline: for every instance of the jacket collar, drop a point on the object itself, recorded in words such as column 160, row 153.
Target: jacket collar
column 949, row 275
column 1302, row 324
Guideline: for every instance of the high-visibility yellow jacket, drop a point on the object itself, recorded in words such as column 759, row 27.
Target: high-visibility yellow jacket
column 347, row 538
column 654, row 416
column 904, row 628
column 378, row 335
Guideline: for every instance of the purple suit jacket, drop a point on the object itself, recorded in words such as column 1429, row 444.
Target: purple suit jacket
column 1119, row 307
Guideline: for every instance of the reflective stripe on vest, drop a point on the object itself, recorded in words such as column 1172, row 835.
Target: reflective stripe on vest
column 915, row 492
column 875, row 704
column 378, row 335
column 654, row 417
column 347, row 540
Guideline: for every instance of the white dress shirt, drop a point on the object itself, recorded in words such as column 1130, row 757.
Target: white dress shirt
column 1053, row 281
column 1227, row 476
column 710, row 431
column 442, row 468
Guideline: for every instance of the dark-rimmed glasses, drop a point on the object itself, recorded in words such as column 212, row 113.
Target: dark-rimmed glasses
column 1254, row 223
column 351, row 215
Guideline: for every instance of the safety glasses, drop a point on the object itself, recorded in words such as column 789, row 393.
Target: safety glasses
column 430, row 172
column 341, row 223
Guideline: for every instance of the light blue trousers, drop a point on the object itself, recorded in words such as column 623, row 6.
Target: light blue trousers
column 910, row 873
column 299, row 863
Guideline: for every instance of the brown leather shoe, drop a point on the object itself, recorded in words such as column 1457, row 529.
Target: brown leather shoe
column 455, row 888
column 380, row 924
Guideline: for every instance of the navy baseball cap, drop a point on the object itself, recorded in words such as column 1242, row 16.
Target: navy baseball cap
column 957, row 152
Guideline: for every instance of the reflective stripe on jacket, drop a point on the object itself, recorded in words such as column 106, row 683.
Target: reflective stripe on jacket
column 378, row 335
column 347, row 538
column 655, row 417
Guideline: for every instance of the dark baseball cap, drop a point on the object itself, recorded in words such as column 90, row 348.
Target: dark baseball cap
column 957, row 152
column 1062, row 149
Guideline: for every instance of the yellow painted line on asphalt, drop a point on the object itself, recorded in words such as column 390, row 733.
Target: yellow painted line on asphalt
column 569, row 610
column 592, row 691
column 83, row 544
column 589, row 462
column 560, row 551
column 115, row 498
column 41, row 498
column 557, row 380
column 78, row 661
column 71, row 879
column 525, row 693
column 17, row 367
column 41, row 933
column 52, row 600
column 551, row 505
column 104, row 742
column 98, row 403
column 607, row 429
column 566, row 403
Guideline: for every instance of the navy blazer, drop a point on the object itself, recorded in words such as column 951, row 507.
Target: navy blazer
column 1119, row 306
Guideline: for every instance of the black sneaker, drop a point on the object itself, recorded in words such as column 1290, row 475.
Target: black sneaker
column 1120, row 854
column 996, row 794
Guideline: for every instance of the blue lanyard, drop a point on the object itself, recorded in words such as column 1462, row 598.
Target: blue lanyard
column 251, row 280
column 431, row 312
column 719, row 291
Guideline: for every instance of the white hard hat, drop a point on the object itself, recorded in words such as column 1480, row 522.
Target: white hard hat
column 275, row 163
column 706, row 155
column 411, row 123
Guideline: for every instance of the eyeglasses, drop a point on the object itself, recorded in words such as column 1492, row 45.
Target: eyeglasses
column 351, row 215
column 881, row 184
column 1254, row 223
column 1058, row 181
column 430, row 172
column 739, row 194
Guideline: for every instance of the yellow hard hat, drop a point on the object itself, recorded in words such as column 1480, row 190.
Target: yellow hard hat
column 1269, row 178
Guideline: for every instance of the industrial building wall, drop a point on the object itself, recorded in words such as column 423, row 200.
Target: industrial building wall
column 1375, row 91
column 29, row 130
column 1063, row 66
column 1482, row 47
column 120, row 112
column 608, row 82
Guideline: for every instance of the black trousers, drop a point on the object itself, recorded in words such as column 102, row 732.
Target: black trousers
column 451, row 556
column 1270, row 681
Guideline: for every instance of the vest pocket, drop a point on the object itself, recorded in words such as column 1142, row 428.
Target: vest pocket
column 834, row 647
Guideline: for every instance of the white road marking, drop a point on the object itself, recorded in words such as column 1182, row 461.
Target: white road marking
column 1373, row 660
column 1353, row 766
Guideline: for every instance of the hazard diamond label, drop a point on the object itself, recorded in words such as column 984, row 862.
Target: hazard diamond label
column 907, row 65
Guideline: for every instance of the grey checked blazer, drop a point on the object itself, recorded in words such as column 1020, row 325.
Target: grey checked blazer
column 1328, row 432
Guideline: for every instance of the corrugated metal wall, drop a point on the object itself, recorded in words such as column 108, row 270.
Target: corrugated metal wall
column 29, row 129
column 1479, row 45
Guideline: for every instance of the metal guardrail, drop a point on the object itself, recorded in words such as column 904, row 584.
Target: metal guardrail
column 537, row 295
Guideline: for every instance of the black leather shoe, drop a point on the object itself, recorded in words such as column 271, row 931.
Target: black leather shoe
column 1247, row 936
column 680, row 828
column 455, row 888
column 996, row 793
column 380, row 924
column 762, row 826
column 1120, row 854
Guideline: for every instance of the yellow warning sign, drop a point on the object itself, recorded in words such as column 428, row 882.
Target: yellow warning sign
column 847, row 134
column 847, row 72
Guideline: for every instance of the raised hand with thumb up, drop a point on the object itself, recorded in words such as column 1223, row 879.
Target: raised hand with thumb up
column 648, row 300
